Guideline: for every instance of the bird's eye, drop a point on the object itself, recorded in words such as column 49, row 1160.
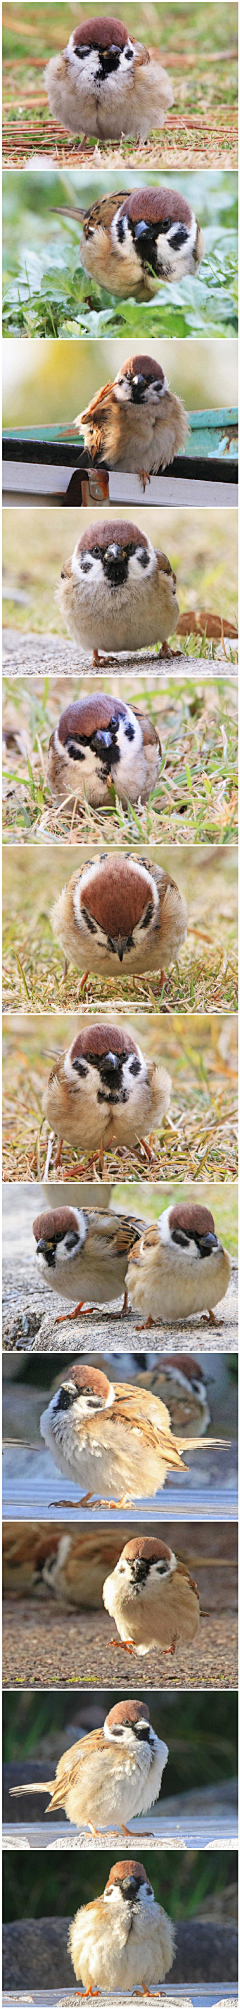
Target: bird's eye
column 135, row 1067
column 96, row 553
column 82, row 50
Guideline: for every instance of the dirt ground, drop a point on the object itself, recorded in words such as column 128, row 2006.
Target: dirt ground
column 48, row 1647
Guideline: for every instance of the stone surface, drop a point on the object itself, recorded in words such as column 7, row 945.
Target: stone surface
column 54, row 655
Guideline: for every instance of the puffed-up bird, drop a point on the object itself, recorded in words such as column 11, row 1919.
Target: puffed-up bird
column 116, row 592
column 102, row 1089
column 112, row 1434
column 105, row 83
column 134, row 244
column 120, row 910
column 107, row 1778
column 136, row 423
column 122, row 1940
column 181, row 1266
column 83, row 1254
column 101, row 741
column 152, row 1597
column 180, row 1382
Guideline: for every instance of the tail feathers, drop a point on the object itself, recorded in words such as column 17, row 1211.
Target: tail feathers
column 39, row 1787
column 202, row 1443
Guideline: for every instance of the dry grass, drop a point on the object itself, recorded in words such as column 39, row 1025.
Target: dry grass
column 198, row 47
column 200, row 1139
column 196, row 796
column 204, row 980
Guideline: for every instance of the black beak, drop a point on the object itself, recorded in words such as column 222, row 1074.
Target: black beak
column 207, row 1243
column 44, row 1248
column 129, row 1885
column 138, row 386
column 110, row 1067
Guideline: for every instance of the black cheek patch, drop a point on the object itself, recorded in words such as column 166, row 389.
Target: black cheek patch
column 179, row 237
column 143, row 559
column 129, row 732
column 135, row 1067
column 148, row 916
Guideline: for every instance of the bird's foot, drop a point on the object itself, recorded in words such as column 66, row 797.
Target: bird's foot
column 144, row 478
column 146, row 1323
column 81, row 1307
column 166, row 652
column 126, row 1645
column 212, row 1320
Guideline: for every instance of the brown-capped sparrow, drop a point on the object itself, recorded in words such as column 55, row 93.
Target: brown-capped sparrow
column 110, row 1434
column 107, row 1778
column 122, row 1940
column 103, row 1089
column 120, row 910
column 182, row 1384
column 84, row 1254
column 136, row 423
column 116, row 592
column 99, row 741
column 136, row 243
column 181, row 1267
column 152, row 1597
column 104, row 83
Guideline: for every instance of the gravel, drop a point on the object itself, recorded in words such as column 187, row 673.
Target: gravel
column 53, row 655
column 48, row 1647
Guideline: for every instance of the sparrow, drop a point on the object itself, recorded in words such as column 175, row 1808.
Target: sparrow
column 181, row 1383
column 136, row 243
column 116, row 592
column 107, row 1778
column 110, row 1434
column 84, row 1255
column 102, row 1089
column 122, row 1940
column 181, row 1266
column 135, row 423
column 104, row 83
column 102, row 741
column 152, row 1598
column 120, row 911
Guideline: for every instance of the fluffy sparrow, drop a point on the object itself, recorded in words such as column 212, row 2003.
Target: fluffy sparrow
column 106, row 84
column 181, row 1383
column 122, row 1940
column 152, row 1598
column 120, row 911
column 103, row 1089
column 107, row 1778
column 116, row 592
column 110, row 1434
column 135, row 243
column 135, row 423
column 84, row 1255
column 99, row 741
column 181, row 1266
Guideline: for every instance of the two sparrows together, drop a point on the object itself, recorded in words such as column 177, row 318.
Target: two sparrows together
column 172, row 1270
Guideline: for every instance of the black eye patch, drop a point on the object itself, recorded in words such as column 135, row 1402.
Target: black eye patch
column 147, row 916
column 80, row 1066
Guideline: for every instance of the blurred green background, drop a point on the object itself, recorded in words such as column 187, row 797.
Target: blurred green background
column 185, row 1883
column 46, row 292
column 200, row 1730
column 45, row 386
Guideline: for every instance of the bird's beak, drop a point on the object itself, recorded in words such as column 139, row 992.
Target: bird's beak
column 43, row 1245
column 207, row 1243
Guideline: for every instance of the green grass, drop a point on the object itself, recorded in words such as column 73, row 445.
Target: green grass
column 195, row 799
column 46, row 292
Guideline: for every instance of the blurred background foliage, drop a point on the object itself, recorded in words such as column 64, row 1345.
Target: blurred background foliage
column 185, row 1883
column 42, row 30
column 201, row 545
column 47, row 293
column 19, row 1209
column 200, row 1730
column 45, row 386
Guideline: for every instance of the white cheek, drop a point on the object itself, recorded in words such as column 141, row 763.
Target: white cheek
column 92, row 575
column 84, row 69
column 128, row 747
column 142, row 572
column 132, row 1081
column 126, row 249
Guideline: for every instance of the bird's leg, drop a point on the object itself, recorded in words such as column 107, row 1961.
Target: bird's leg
column 81, row 1307
column 144, row 478
column 83, row 980
column 146, row 1323
column 213, row 1320
column 146, row 1147
column 65, row 969
column 57, row 1160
